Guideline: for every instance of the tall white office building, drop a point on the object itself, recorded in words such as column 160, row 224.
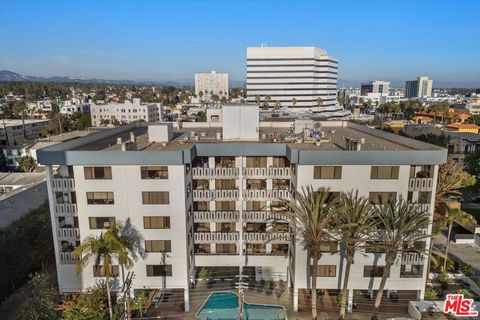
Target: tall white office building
column 211, row 83
column 284, row 73
column 205, row 201
column 375, row 86
column 422, row 87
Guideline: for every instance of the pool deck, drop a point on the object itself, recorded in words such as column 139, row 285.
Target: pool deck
column 199, row 295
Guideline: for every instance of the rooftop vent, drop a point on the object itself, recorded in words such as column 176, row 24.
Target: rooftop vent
column 352, row 144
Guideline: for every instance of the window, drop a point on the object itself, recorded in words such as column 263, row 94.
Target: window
column 225, row 162
column 225, row 206
column 326, row 270
column 154, row 172
column 279, row 249
column 281, row 184
column 226, row 248
column 155, row 197
column 256, row 184
column 256, row 248
column 225, row 184
column 101, row 222
column 255, row 205
column 329, row 246
column 424, row 197
column 411, row 271
column 97, row 173
column 201, row 206
column 327, row 172
column 98, row 271
column 256, row 162
column 374, row 247
column 158, row 246
column 225, row 226
column 382, row 197
column 384, row 172
column 100, row 198
column 201, row 227
column 280, row 162
column 202, row 248
column 373, row 271
column 156, row 222
column 155, row 270
column 201, row 184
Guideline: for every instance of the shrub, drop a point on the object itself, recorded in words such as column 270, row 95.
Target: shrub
column 468, row 270
column 444, row 279
column 466, row 294
column 431, row 294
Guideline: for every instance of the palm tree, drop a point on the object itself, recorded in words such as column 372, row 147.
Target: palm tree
column 20, row 109
column 257, row 98
column 353, row 225
column 400, row 225
column 319, row 102
column 451, row 178
column 114, row 244
column 294, row 102
column 277, row 105
column 457, row 216
column 310, row 214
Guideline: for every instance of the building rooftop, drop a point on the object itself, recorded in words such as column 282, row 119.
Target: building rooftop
column 18, row 122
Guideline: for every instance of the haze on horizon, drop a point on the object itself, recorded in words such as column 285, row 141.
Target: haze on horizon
column 171, row 40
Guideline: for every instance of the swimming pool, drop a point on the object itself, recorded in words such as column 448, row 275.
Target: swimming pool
column 224, row 306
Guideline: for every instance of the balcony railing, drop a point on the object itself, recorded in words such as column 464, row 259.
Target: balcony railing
column 422, row 207
column 215, row 195
column 262, row 237
column 68, row 233
column 215, row 237
column 266, row 194
column 66, row 209
column 259, row 216
column 216, row 216
column 63, row 184
column 211, row 173
column 67, row 258
column 420, row 184
column 413, row 258
column 266, row 173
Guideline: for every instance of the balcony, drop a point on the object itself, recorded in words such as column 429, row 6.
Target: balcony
column 67, row 258
column 65, row 209
column 207, row 195
column 266, row 173
column 422, row 207
column 413, row 258
column 259, row 216
column 216, row 216
column 270, row 237
column 420, row 184
column 274, row 194
column 63, row 184
column 68, row 234
column 213, row 173
column 215, row 237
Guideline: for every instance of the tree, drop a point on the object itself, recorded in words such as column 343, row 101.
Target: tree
column 257, row 99
column 472, row 163
column 89, row 305
column 20, row 108
column 310, row 214
column 223, row 100
column 41, row 303
column 27, row 163
column 353, row 225
column 457, row 216
column 139, row 302
column 294, row 102
column 200, row 94
column 319, row 102
column 475, row 119
column 113, row 245
column 201, row 116
column 400, row 225
column 278, row 105
column 451, row 178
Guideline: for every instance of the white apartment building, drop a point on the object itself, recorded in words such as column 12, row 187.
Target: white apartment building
column 126, row 112
column 420, row 88
column 284, row 73
column 204, row 196
column 211, row 83
column 12, row 130
column 375, row 86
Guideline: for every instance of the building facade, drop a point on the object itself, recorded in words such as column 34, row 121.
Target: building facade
column 206, row 199
column 375, row 86
column 13, row 132
column 211, row 83
column 420, row 88
column 126, row 112
column 285, row 73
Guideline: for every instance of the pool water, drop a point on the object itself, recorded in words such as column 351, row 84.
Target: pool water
column 224, row 306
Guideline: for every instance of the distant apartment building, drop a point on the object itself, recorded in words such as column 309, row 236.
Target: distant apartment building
column 12, row 130
column 211, row 83
column 69, row 107
column 375, row 86
column 126, row 112
column 285, row 73
column 420, row 88
column 206, row 198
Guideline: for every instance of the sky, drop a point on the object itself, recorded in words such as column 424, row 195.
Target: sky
column 394, row 40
